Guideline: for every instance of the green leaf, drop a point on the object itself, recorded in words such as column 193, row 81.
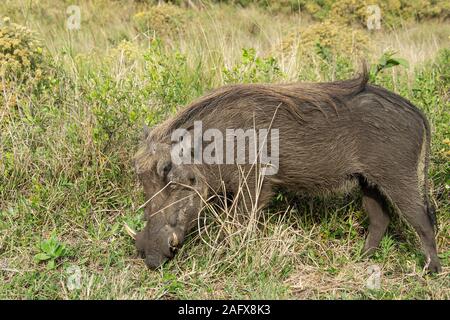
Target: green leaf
column 391, row 63
column 383, row 60
column 60, row 250
column 403, row 62
column 387, row 60
column 45, row 246
column 42, row 257
column 51, row 264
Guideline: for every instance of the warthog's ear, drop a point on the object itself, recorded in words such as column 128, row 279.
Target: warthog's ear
column 146, row 132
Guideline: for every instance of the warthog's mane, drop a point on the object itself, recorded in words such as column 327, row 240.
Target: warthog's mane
column 290, row 96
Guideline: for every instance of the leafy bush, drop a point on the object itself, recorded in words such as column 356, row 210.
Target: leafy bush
column 21, row 53
column 125, row 49
column 162, row 20
column 171, row 80
column 335, row 37
column 117, row 108
column 253, row 69
column 355, row 11
column 392, row 11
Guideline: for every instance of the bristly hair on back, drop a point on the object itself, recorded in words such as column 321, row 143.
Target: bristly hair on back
column 291, row 96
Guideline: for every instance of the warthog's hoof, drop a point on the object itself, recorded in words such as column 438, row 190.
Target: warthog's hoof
column 434, row 266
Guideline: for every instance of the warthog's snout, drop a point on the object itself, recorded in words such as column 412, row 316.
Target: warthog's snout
column 159, row 247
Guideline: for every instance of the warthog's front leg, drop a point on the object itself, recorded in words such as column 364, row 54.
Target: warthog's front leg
column 375, row 206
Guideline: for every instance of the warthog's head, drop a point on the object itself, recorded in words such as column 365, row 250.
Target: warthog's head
column 173, row 195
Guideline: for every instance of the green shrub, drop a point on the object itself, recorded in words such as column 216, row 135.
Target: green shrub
column 172, row 82
column 355, row 11
column 393, row 12
column 118, row 109
column 21, row 53
column 337, row 38
column 162, row 20
column 252, row 69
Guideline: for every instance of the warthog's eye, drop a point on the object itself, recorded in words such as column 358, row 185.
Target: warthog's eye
column 163, row 168
column 167, row 168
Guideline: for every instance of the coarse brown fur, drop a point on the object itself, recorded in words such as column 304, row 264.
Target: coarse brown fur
column 331, row 135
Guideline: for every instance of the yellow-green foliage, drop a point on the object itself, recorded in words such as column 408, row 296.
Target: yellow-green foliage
column 446, row 150
column 337, row 37
column 21, row 53
column 392, row 11
column 125, row 50
column 348, row 11
column 162, row 19
column 355, row 11
column 425, row 9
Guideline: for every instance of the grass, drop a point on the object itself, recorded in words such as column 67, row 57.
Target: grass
column 67, row 179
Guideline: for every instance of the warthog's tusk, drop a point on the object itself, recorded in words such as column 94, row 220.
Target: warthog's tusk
column 174, row 241
column 130, row 231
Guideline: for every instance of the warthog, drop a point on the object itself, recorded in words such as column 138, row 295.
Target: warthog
column 330, row 136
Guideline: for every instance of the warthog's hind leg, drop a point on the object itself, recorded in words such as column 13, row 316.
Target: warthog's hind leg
column 409, row 202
